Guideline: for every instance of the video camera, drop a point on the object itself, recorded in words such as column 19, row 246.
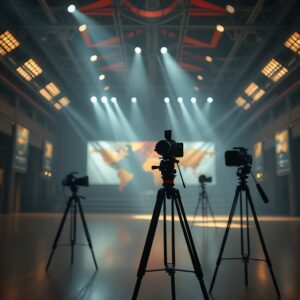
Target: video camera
column 72, row 181
column 168, row 147
column 238, row 157
column 203, row 178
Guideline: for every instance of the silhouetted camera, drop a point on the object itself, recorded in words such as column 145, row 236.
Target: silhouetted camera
column 168, row 147
column 71, row 180
column 238, row 157
column 203, row 178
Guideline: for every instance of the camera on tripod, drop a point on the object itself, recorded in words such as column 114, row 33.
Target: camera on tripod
column 203, row 179
column 168, row 147
column 238, row 157
column 71, row 180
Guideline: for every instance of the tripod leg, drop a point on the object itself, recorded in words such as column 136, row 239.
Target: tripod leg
column 210, row 209
column 264, row 247
column 59, row 232
column 86, row 230
column 73, row 231
column 236, row 196
column 196, row 211
column 190, row 243
column 149, row 241
column 173, row 252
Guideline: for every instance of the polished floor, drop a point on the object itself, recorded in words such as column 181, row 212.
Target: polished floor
column 118, row 240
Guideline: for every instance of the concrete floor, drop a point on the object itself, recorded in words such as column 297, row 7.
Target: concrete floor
column 118, row 240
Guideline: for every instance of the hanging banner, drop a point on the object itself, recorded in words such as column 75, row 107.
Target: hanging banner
column 282, row 152
column 258, row 160
column 21, row 148
column 47, row 158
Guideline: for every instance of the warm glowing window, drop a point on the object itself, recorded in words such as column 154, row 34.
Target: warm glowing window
column 52, row 89
column 64, row 101
column 254, row 91
column 293, row 42
column 46, row 94
column 58, row 106
column 240, row 101
column 274, row 70
column 29, row 70
column 7, row 43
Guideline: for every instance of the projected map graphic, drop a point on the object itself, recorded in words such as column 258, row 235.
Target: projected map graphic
column 129, row 163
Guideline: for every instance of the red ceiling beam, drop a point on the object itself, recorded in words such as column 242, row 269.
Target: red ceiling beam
column 98, row 8
column 110, row 42
column 189, row 67
column 119, row 66
column 191, row 42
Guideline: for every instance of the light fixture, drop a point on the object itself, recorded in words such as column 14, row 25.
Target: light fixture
column 247, row 106
column 58, row 106
column 52, row 89
column 293, row 42
column 101, row 77
column 208, row 58
column 274, row 70
column 29, row 69
column 71, row 8
column 103, row 99
column 196, row 88
column 7, row 43
column 46, row 94
column 137, row 50
column 93, row 57
column 106, row 88
column 240, row 101
column 82, row 28
column 210, row 100
column 64, row 101
column 193, row 99
column 167, row 99
column 133, row 99
column 94, row 99
column 180, row 99
column 113, row 99
column 230, row 9
column 254, row 91
column 163, row 50
column 220, row 28
column 199, row 77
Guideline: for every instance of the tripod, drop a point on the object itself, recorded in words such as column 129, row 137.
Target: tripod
column 73, row 204
column 169, row 192
column 241, row 189
column 203, row 199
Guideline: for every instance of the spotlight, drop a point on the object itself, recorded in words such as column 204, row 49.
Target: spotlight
column 180, row 99
column 133, row 99
column 82, row 28
column 208, row 58
column 193, row 100
column 103, row 99
column 137, row 50
column 113, row 99
column 199, row 77
column 230, row 9
column 71, row 8
column 196, row 88
column 220, row 28
column 102, row 77
column 93, row 99
column 164, row 50
column 106, row 88
column 93, row 57
column 210, row 99
column 167, row 99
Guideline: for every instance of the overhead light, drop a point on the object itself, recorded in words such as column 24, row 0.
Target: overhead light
column 103, row 99
column 247, row 106
column 193, row 100
column 24, row 74
column 7, row 43
column 64, row 101
column 52, row 89
column 210, row 100
column 208, row 58
column 82, row 27
column 220, row 28
column 46, row 94
column 293, row 42
column 163, row 50
column 180, row 99
column 133, row 99
column 196, row 88
column 274, row 70
column 106, row 88
column 199, row 77
column 230, row 9
column 240, row 101
column 94, row 57
column 113, row 99
column 137, row 50
column 102, row 77
column 254, row 91
column 29, row 69
column 58, row 106
column 94, row 99
column 167, row 99
column 71, row 8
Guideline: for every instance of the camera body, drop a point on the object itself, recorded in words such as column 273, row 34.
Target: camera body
column 168, row 147
column 203, row 179
column 71, row 180
column 238, row 157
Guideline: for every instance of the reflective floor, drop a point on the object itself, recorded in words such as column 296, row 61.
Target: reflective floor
column 118, row 240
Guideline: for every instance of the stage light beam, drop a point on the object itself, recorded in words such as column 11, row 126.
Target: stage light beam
column 133, row 99
column 167, row 99
column 94, row 99
column 71, row 8
column 137, row 50
column 210, row 100
column 163, row 50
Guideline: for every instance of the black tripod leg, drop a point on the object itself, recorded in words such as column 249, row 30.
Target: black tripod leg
column 59, row 232
column 86, row 230
column 73, row 231
column 236, row 196
column 210, row 209
column 149, row 241
column 190, row 243
column 264, row 247
column 196, row 211
column 173, row 252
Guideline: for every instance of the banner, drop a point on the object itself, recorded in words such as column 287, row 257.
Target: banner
column 127, row 163
column 47, row 158
column 282, row 152
column 21, row 148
